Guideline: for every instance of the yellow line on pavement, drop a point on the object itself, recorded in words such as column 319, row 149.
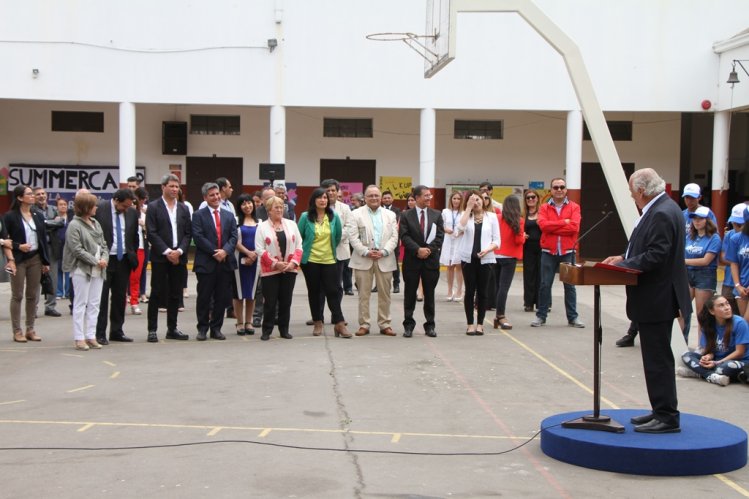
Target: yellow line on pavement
column 264, row 431
column 214, row 431
column 86, row 427
column 114, row 374
column 735, row 486
column 110, row 364
column 81, row 388
column 396, row 438
column 12, row 402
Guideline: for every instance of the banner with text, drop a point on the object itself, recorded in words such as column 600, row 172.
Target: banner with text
column 63, row 181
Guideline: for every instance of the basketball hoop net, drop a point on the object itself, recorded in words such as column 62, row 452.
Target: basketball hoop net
column 413, row 41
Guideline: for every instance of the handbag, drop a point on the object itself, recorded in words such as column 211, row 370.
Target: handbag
column 46, row 282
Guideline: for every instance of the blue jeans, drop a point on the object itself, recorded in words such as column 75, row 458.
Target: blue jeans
column 549, row 267
column 732, row 368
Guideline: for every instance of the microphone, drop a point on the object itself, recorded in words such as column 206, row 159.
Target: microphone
column 607, row 215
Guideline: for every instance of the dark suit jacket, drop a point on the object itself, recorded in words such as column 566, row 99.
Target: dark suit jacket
column 657, row 248
column 104, row 217
column 395, row 210
column 204, row 235
column 413, row 239
column 159, row 229
column 16, row 231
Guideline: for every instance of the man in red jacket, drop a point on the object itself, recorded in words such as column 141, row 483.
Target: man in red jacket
column 559, row 220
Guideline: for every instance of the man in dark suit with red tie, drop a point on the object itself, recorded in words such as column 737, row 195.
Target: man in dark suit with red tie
column 656, row 247
column 169, row 231
column 421, row 232
column 215, row 234
column 119, row 223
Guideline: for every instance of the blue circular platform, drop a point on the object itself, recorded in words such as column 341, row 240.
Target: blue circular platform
column 705, row 446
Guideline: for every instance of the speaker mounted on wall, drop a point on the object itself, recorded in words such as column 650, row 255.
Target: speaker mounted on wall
column 174, row 137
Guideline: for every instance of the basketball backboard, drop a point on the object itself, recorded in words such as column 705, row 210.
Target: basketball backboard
column 439, row 40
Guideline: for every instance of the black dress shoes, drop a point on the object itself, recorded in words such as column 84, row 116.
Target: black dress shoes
column 217, row 335
column 645, row 418
column 176, row 334
column 655, row 426
column 102, row 340
column 52, row 313
column 396, row 289
column 431, row 332
column 408, row 333
column 121, row 337
column 285, row 336
column 152, row 338
column 349, row 292
column 265, row 336
column 202, row 336
column 628, row 340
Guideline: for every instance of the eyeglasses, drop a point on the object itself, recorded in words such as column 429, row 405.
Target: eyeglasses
column 531, row 197
column 558, row 187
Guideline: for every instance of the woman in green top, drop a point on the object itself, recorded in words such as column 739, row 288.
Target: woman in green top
column 321, row 232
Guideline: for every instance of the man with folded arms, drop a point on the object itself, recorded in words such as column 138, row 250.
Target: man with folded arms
column 373, row 235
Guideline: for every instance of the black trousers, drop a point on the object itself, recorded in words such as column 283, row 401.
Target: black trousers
column 322, row 280
column 477, row 283
column 341, row 265
column 658, row 363
column 116, row 283
column 278, row 290
column 214, row 293
column 531, row 275
column 166, row 281
column 429, row 279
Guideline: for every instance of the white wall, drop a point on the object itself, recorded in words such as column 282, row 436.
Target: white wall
column 642, row 55
column 533, row 147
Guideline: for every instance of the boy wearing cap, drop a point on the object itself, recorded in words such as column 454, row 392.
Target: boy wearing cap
column 692, row 194
column 736, row 221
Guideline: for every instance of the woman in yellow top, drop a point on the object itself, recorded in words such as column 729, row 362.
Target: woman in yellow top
column 321, row 232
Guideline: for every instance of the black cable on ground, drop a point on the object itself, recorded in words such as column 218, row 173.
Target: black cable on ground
column 284, row 446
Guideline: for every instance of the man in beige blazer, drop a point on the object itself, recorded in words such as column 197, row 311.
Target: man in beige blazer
column 373, row 234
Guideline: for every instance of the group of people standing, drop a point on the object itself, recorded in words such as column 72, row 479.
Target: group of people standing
column 484, row 241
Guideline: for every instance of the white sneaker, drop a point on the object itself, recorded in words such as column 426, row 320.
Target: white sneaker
column 135, row 309
column 685, row 372
column 718, row 379
column 449, row 298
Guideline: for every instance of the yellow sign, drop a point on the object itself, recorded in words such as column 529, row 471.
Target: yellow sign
column 399, row 186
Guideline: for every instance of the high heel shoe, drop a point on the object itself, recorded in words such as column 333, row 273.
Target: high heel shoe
column 93, row 344
column 340, row 330
column 248, row 329
column 480, row 332
column 81, row 345
column 318, row 329
column 241, row 331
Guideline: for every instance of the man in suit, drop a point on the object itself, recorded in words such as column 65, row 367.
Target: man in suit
column 387, row 203
column 119, row 223
column 373, row 234
column 421, row 232
column 214, row 231
column 169, row 231
column 656, row 247
column 52, row 224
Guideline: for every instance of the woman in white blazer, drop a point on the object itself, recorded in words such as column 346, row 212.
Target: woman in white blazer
column 476, row 250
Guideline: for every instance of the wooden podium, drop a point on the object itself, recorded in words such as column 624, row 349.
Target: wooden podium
column 596, row 274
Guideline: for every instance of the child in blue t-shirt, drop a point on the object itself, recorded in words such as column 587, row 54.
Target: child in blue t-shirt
column 737, row 253
column 723, row 343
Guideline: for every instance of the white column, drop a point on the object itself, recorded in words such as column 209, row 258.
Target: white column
column 721, row 136
column 277, row 134
column 127, row 141
column 427, row 145
column 573, row 162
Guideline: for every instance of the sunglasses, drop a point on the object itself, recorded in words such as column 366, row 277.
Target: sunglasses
column 558, row 187
column 531, row 197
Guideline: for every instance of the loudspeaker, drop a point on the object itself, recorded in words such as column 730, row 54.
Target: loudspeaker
column 272, row 171
column 174, row 137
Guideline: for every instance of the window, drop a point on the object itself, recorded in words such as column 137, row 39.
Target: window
column 620, row 130
column 205, row 124
column 77, row 121
column 478, row 130
column 347, row 127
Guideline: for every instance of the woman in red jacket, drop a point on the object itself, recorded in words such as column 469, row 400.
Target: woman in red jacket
column 512, row 236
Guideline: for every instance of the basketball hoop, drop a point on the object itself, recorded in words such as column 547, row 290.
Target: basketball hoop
column 413, row 40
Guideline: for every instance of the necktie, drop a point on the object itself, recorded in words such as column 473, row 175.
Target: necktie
column 421, row 223
column 217, row 218
column 118, row 228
